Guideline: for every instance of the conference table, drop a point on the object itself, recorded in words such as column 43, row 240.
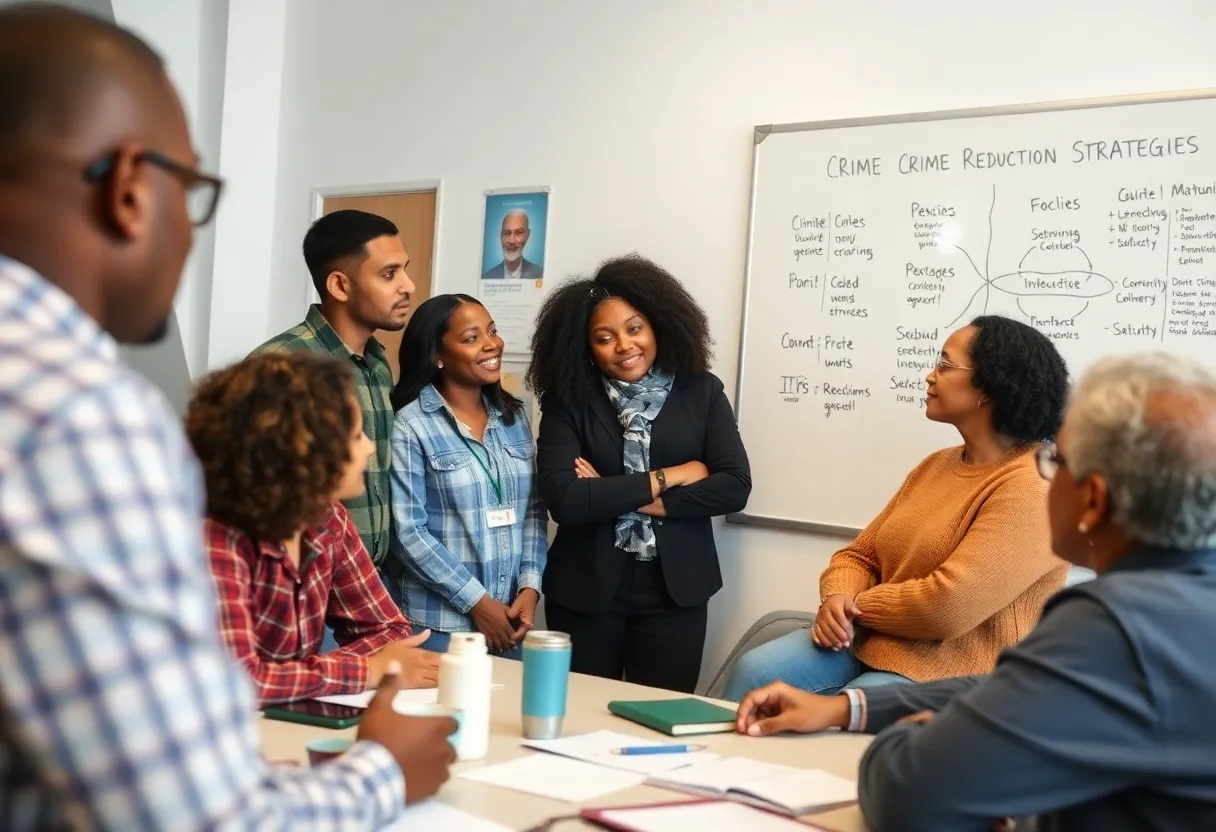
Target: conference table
column 587, row 711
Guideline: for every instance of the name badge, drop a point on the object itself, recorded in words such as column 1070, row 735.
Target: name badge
column 497, row 517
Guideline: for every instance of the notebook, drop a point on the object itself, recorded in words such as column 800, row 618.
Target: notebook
column 677, row 717
column 701, row 815
column 791, row 791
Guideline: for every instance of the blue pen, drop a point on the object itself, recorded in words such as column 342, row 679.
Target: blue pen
column 636, row 750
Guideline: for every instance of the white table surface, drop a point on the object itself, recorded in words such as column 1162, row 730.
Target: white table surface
column 587, row 711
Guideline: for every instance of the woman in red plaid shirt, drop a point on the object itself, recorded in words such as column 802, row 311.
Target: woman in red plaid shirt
column 280, row 439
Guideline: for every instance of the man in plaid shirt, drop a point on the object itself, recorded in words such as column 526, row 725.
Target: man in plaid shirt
column 119, row 708
column 358, row 267
column 285, row 557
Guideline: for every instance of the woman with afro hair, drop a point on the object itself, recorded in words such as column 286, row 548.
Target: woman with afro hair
column 637, row 451
column 958, row 566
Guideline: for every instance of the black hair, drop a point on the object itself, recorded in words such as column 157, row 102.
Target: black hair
column 338, row 236
column 419, row 347
column 562, row 366
column 53, row 72
column 1020, row 370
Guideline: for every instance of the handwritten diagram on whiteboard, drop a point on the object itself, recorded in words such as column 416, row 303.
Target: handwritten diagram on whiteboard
column 872, row 240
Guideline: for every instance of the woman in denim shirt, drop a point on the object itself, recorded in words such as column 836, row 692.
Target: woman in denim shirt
column 469, row 528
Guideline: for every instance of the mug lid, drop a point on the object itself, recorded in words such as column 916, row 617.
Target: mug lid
column 547, row 640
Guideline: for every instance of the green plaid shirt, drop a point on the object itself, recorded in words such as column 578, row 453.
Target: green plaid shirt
column 373, row 383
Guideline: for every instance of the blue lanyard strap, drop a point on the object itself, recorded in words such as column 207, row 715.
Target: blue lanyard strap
column 494, row 481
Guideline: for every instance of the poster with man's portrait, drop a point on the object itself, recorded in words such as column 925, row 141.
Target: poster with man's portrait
column 513, row 262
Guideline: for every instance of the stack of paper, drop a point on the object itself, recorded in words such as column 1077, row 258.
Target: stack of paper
column 598, row 746
column 560, row 778
column 434, row 816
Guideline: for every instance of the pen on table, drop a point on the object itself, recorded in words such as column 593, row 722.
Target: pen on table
column 634, row 750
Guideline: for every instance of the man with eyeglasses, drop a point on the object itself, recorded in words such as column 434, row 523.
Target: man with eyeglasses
column 1101, row 719
column 119, row 709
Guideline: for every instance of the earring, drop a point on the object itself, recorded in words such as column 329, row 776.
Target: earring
column 440, row 365
column 1083, row 528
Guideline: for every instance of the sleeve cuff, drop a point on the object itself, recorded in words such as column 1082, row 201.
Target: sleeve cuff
column 530, row 580
column 371, row 764
column 468, row 596
column 857, row 710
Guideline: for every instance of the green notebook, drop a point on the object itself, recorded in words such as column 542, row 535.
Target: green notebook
column 677, row 717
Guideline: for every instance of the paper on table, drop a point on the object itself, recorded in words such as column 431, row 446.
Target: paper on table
column 434, row 816
column 414, row 696
column 597, row 748
column 704, row 817
column 560, row 778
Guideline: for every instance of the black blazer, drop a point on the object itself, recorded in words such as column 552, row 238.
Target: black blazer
column 696, row 423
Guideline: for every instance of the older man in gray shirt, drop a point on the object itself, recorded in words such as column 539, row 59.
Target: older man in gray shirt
column 1102, row 719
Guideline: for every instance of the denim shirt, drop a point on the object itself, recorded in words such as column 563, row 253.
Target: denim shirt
column 445, row 555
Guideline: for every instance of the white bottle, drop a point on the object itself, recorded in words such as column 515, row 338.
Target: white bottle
column 464, row 682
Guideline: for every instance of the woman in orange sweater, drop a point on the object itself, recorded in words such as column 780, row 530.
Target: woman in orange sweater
column 959, row 564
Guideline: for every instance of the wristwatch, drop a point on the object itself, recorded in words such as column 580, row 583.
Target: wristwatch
column 661, row 476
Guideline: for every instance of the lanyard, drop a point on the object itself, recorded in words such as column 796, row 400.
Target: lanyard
column 494, row 481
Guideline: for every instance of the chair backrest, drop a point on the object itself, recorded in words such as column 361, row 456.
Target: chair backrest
column 769, row 627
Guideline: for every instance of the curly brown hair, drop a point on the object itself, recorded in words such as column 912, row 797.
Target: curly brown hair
column 273, row 435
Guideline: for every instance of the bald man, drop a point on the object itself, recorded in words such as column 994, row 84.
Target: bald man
column 514, row 239
column 119, row 709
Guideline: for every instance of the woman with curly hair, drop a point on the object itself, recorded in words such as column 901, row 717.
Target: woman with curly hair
column 469, row 527
column 958, row 566
column 280, row 440
column 638, row 450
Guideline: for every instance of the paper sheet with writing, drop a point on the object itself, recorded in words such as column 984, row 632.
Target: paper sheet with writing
column 794, row 790
column 703, row 817
column 561, row 778
column 597, row 748
column 416, row 696
column 434, row 816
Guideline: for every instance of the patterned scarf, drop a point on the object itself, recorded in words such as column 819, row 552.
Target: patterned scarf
column 637, row 404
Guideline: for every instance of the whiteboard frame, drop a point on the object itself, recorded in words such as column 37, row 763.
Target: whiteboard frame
column 763, row 131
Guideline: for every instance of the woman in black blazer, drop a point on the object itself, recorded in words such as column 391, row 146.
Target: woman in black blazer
column 637, row 451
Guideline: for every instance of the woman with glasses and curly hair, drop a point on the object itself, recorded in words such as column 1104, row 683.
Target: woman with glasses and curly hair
column 959, row 564
column 637, row 451
column 280, row 439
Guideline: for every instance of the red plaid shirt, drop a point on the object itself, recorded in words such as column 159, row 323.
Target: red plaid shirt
column 273, row 615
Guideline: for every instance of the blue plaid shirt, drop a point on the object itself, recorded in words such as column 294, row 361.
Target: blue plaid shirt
column 119, row 708
column 445, row 555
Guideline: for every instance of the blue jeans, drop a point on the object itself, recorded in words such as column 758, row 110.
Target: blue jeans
column 796, row 660
column 438, row 643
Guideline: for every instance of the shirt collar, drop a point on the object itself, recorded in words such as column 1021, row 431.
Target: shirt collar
column 314, row 540
column 27, row 295
column 1150, row 558
column 431, row 401
column 333, row 344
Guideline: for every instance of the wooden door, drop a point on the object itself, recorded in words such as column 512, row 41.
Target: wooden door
column 414, row 215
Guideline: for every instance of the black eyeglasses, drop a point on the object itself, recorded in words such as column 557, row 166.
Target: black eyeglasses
column 202, row 190
column 1049, row 460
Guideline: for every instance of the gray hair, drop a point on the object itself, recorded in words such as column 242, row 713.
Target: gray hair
column 1147, row 425
column 517, row 212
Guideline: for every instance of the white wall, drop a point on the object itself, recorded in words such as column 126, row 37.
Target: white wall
column 191, row 36
column 249, row 143
column 639, row 114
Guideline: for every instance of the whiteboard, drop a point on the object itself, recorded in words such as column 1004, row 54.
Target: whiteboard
column 871, row 240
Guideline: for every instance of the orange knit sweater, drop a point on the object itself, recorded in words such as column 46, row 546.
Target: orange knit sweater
column 956, row 568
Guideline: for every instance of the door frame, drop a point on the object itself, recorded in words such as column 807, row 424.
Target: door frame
column 319, row 195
